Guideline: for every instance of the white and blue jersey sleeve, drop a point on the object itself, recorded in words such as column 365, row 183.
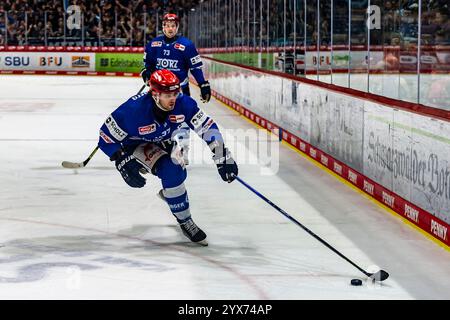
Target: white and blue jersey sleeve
column 195, row 63
column 112, row 133
column 200, row 122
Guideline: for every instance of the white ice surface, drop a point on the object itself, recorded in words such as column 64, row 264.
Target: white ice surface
column 84, row 234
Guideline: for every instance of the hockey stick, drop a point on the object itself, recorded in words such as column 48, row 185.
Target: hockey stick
column 380, row 275
column 75, row 165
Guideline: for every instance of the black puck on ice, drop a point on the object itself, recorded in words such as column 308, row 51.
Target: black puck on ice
column 356, row 282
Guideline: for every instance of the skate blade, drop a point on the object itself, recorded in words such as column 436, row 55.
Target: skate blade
column 203, row 242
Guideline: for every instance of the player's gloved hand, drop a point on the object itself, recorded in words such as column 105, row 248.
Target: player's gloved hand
column 129, row 168
column 145, row 74
column 226, row 165
column 205, row 92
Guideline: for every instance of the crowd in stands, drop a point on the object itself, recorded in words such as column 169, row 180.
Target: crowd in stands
column 115, row 22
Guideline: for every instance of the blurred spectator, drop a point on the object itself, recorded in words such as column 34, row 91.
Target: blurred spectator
column 134, row 22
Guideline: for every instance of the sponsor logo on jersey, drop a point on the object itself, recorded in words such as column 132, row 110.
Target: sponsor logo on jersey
column 114, row 129
column 167, row 63
column 196, row 59
column 147, row 129
column 198, row 119
column 139, row 95
column 177, row 206
column 105, row 137
column 81, row 61
column 206, row 127
column 179, row 46
column 176, row 118
column 157, row 44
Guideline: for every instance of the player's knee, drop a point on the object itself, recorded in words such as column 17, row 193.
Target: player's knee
column 171, row 174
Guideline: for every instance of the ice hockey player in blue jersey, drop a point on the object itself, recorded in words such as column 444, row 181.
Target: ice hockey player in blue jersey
column 138, row 137
column 177, row 54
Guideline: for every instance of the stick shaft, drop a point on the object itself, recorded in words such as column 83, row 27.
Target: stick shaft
column 303, row 227
column 140, row 90
column 90, row 156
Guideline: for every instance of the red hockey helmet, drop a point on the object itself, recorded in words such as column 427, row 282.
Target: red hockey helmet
column 164, row 81
column 171, row 17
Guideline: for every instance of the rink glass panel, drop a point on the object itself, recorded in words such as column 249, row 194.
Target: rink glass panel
column 371, row 45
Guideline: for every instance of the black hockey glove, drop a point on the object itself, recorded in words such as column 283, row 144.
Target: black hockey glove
column 145, row 74
column 205, row 91
column 226, row 165
column 129, row 168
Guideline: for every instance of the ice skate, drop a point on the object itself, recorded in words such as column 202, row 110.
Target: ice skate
column 193, row 232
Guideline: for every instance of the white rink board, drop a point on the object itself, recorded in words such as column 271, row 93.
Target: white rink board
column 431, row 139
column 378, row 135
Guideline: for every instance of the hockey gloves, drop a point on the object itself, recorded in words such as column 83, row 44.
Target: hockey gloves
column 226, row 165
column 205, row 92
column 145, row 74
column 129, row 168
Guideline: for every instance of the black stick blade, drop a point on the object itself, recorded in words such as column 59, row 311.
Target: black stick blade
column 380, row 275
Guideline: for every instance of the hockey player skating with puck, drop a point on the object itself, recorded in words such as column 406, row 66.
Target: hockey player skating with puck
column 138, row 136
column 179, row 55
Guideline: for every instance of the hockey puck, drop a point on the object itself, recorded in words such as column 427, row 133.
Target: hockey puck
column 356, row 282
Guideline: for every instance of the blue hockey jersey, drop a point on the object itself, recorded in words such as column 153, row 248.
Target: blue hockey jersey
column 134, row 123
column 178, row 56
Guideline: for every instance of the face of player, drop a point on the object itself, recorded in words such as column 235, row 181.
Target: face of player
column 167, row 100
column 170, row 29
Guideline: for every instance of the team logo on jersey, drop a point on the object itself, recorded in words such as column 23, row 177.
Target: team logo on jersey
column 176, row 118
column 198, row 119
column 196, row 59
column 179, row 46
column 157, row 44
column 167, row 63
column 105, row 137
column 114, row 129
column 147, row 129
